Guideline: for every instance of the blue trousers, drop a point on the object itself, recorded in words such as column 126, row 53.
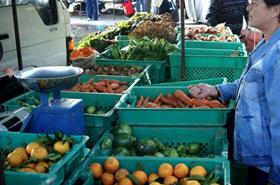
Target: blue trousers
column 138, row 5
column 92, row 9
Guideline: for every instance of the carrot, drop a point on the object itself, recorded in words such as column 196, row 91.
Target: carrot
column 157, row 98
column 180, row 104
column 100, row 88
column 114, row 86
column 100, row 83
column 119, row 90
column 151, row 105
column 140, row 101
column 215, row 104
column 166, row 106
column 167, row 101
column 203, row 106
column 183, row 97
column 109, row 90
column 146, row 100
column 123, row 83
column 198, row 102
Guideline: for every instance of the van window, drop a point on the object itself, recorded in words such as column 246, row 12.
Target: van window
column 46, row 9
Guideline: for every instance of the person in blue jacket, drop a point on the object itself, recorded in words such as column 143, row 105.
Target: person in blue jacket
column 256, row 93
column 92, row 9
column 229, row 11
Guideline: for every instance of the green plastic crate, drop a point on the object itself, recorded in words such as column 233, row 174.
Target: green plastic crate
column 131, row 82
column 213, row 142
column 157, row 71
column 128, row 113
column 215, row 52
column 96, row 125
column 72, row 179
column 13, row 104
column 212, row 81
column 204, row 66
column 150, row 165
column 57, row 172
column 212, row 45
column 143, row 76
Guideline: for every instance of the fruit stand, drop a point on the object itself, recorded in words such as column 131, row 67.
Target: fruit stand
column 142, row 127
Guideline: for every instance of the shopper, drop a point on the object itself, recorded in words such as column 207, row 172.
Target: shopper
column 257, row 111
column 229, row 11
column 169, row 6
column 141, row 5
column 92, row 9
column 197, row 10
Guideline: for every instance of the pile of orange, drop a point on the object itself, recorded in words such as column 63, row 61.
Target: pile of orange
column 34, row 157
column 81, row 53
column 111, row 174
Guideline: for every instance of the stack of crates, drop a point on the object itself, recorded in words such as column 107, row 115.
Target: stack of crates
column 58, row 172
column 173, row 127
column 209, row 59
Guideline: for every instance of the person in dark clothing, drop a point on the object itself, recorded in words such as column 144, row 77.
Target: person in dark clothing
column 170, row 7
column 229, row 11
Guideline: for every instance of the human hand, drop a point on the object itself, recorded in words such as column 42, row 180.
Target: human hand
column 7, row 71
column 203, row 90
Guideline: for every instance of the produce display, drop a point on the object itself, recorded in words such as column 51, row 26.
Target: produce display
column 30, row 103
column 39, row 155
column 212, row 37
column 219, row 29
column 101, row 40
column 111, row 172
column 81, row 53
column 163, row 29
column 91, row 109
column 129, row 70
column 177, row 100
column 102, row 86
column 144, row 49
column 123, row 143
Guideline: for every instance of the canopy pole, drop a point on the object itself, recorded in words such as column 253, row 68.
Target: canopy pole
column 17, row 36
column 182, row 13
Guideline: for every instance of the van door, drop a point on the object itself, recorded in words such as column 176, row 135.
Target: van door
column 44, row 26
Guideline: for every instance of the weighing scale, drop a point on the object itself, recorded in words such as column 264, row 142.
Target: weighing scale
column 56, row 114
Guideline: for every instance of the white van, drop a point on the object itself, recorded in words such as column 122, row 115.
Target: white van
column 44, row 29
column 44, row 26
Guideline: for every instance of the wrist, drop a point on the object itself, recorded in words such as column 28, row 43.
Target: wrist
column 215, row 91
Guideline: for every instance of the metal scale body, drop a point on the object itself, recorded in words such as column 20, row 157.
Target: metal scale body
column 58, row 113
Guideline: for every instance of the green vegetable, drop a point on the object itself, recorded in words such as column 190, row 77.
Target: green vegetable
column 193, row 148
column 123, row 140
column 99, row 112
column 159, row 154
column 90, row 109
column 173, row 153
column 159, row 144
column 146, row 147
column 121, row 151
column 122, row 129
column 106, row 143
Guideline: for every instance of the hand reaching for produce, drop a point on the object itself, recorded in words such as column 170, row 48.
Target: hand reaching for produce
column 203, row 90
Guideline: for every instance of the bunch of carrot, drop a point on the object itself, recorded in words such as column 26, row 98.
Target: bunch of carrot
column 177, row 100
column 102, row 86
